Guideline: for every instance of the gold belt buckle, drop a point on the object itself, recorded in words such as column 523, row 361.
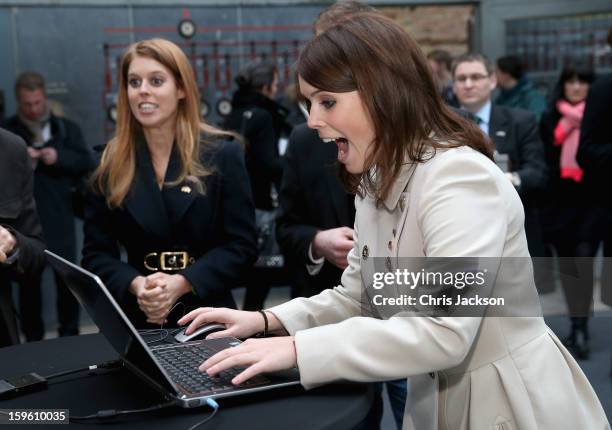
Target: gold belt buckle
column 175, row 260
column 146, row 264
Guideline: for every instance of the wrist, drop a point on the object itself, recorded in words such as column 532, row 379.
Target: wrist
column 136, row 284
column 9, row 244
column 12, row 245
column 265, row 329
column 315, row 246
column 274, row 324
column 295, row 362
column 184, row 285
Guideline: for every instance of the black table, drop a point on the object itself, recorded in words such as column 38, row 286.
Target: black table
column 337, row 406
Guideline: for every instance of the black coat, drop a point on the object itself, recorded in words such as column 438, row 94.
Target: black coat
column 515, row 132
column 595, row 158
column 595, row 150
column 564, row 209
column 311, row 199
column 18, row 215
column 217, row 229
column 53, row 184
column 261, row 121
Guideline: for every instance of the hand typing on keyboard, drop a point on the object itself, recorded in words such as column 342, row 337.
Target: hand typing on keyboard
column 257, row 355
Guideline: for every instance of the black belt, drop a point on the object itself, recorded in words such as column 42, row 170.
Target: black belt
column 167, row 260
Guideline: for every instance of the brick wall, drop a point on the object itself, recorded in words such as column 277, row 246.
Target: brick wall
column 435, row 27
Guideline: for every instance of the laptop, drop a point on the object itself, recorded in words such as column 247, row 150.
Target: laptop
column 171, row 368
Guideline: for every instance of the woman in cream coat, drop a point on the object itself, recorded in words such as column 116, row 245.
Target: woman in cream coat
column 426, row 187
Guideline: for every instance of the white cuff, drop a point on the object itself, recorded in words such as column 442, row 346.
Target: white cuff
column 315, row 267
column 515, row 178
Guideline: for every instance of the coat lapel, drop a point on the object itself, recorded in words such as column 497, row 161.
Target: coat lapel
column 144, row 202
column 179, row 197
column 400, row 185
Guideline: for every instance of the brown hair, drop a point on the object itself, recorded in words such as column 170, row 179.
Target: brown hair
column 338, row 12
column 30, row 81
column 115, row 175
column 473, row 57
column 441, row 56
column 373, row 55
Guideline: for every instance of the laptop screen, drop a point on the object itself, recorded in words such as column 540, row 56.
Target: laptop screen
column 110, row 319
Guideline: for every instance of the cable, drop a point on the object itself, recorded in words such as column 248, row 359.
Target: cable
column 32, row 382
column 112, row 413
column 105, row 365
column 161, row 331
column 215, row 407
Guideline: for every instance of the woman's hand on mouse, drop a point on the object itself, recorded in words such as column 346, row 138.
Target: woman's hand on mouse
column 240, row 324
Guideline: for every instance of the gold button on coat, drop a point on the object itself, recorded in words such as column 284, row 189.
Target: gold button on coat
column 402, row 203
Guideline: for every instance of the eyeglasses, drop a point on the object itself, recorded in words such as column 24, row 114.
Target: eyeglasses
column 476, row 78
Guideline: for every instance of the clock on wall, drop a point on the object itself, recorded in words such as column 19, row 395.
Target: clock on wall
column 186, row 28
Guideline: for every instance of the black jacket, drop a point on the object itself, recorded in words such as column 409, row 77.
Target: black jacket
column 515, row 132
column 53, row 184
column 311, row 199
column 595, row 150
column 563, row 206
column 217, row 229
column 18, row 215
column 261, row 121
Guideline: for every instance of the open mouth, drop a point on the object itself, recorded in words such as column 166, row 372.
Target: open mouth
column 147, row 107
column 343, row 146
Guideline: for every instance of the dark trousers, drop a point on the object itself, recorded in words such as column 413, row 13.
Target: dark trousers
column 576, row 263
column 257, row 289
column 396, row 390
column 30, row 309
column 606, row 272
column 8, row 324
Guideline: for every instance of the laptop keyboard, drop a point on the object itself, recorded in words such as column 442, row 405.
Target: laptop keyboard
column 182, row 363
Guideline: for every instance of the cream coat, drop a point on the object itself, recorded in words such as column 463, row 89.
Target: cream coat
column 466, row 373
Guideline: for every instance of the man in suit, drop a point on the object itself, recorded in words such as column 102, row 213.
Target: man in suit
column 21, row 245
column 513, row 132
column 59, row 156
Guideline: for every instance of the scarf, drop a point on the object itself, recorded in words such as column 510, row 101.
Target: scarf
column 567, row 136
column 36, row 128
